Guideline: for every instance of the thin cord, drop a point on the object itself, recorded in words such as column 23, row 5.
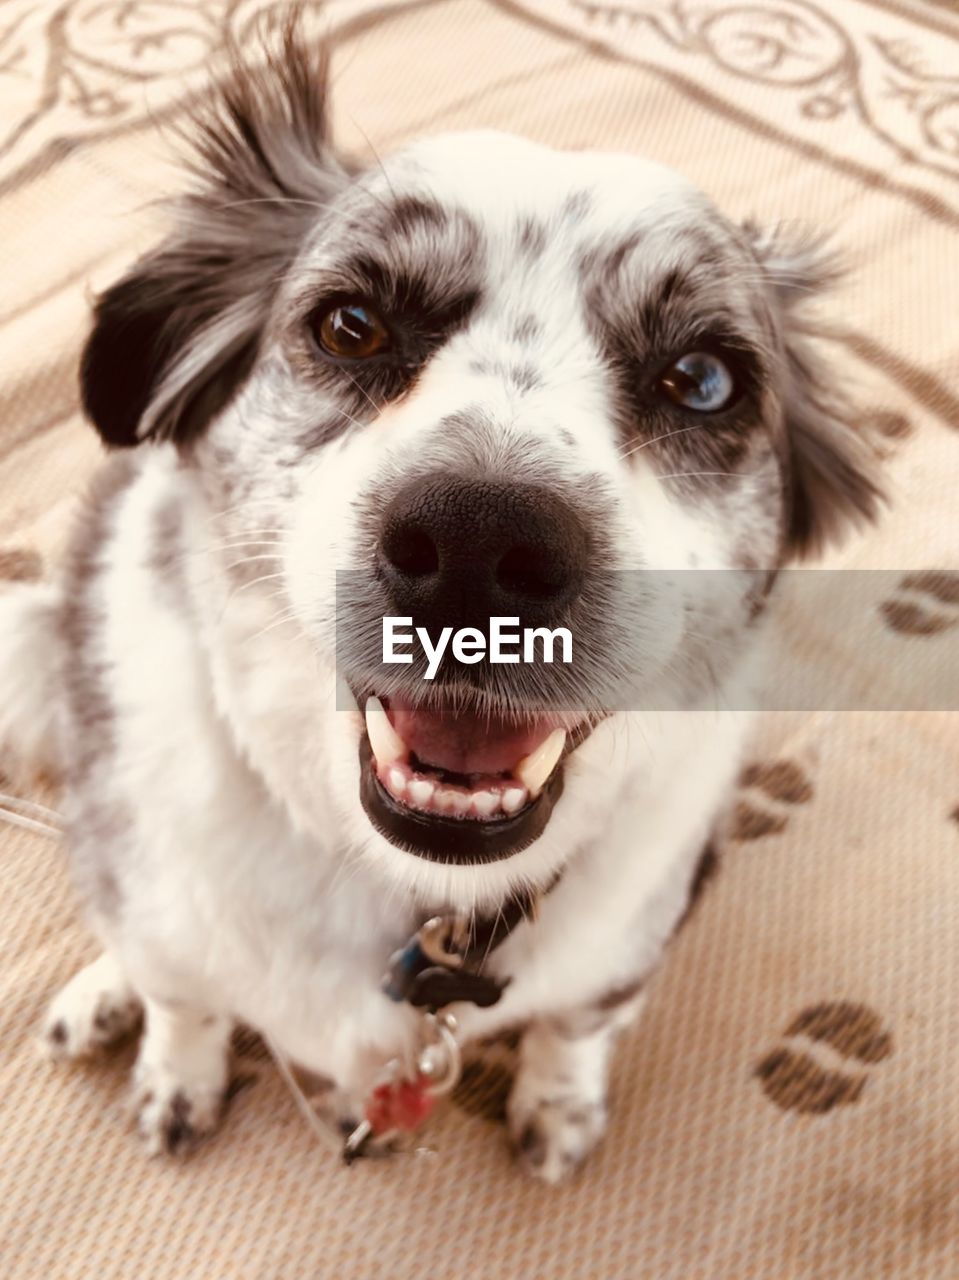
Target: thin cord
column 320, row 1130
column 32, row 817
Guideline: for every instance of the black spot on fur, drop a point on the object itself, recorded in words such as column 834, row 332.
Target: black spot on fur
column 524, row 377
column 527, row 330
column 85, row 681
column 58, row 1032
column 103, row 1021
column 621, row 995
column 411, row 213
column 612, row 262
column 532, row 1143
column 178, row 1132
column 577, row 206
column 531, row 236
column 671, row 289
column 166, row 552
column 107, row 892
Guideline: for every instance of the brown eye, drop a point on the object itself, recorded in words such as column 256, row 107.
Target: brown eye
column 351, row 331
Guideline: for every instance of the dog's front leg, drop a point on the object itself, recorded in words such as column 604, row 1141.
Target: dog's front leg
column 181, row 1075
column 558, row 1107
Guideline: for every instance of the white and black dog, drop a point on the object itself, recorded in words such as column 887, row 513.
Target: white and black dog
column 480, row 378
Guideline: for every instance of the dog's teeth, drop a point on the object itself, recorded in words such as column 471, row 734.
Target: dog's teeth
column 421, row 791
column 385, row 742
column 448, row 800
column 485, row 803
column 534, row 770
column 443, row 800
column 396, row 782
column 513, row 799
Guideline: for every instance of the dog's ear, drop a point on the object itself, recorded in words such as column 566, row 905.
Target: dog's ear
column 830, row 470
column 173, row 341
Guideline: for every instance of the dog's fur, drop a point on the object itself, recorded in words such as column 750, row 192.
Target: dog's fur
column 215, row 829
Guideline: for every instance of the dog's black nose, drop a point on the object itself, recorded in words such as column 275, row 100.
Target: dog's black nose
column 456, row 552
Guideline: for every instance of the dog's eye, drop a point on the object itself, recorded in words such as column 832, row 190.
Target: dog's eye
column 350, row 331
column 698, row 381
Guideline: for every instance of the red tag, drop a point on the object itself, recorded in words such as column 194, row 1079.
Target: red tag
column 402, row 1104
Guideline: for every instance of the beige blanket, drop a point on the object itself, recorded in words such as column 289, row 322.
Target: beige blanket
column 789, row 1107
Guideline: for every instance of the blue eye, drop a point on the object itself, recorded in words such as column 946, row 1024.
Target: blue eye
column 699, row 381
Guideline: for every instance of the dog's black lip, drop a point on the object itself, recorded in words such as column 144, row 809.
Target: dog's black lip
column 461, row 841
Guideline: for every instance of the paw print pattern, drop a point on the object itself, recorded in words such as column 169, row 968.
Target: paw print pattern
column 925, row 603
column 797, row 1077
column 888, row 430
column 248, row 1046
column 774, row 787
column 487, row 1078
column 20, row 564
column 248, row 1053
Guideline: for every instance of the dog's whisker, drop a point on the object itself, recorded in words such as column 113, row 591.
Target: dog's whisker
column 274, row 595
column 232, row 548
column 238, row 564
column 247, row 586
column 666, row 435
column 286, row 617
column 190, row 555
column 363, row 392
column 376, row 157
column 253, row 200
column 695, row 475
column 222, row 537
column 354, row 422
column 233, row 513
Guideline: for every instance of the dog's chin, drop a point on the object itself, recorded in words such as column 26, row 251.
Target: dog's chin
column 458, row 787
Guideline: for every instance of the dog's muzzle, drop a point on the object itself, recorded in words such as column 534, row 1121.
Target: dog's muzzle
column 446, row 775
column 455, row 552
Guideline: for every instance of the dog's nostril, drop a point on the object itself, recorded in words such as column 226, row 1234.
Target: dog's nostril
column 411, row 550
column 456, row 551
column 531, row 572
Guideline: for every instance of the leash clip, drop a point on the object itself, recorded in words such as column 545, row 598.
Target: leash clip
column 401, row 1102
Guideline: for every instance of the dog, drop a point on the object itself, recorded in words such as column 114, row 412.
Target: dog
column 478, row 378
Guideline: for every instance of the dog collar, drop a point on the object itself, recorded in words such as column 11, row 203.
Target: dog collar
column 442, row 962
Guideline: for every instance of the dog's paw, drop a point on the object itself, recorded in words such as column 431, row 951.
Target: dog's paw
column 95, row 1010
column 173, row 1114
column 554, row 1134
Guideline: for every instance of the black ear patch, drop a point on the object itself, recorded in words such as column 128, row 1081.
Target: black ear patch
column 140, row 326
column 175, row 339
column 121, row 362
column 832, row 484
column 830, row 474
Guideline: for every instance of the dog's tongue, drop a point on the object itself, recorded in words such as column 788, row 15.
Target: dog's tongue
column 459, row 742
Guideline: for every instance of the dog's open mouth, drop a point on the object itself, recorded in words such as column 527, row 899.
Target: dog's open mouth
column 455, row 786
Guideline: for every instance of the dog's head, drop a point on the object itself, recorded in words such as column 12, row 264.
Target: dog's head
column 481, row 378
